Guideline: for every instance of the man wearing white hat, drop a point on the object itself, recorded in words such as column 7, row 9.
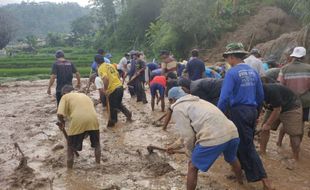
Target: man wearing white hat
column 296, row 76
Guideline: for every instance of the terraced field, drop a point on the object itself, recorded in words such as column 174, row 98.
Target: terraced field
column 24, row 66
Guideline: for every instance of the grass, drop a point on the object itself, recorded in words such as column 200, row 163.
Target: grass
column 23, row 66
column 84, row 71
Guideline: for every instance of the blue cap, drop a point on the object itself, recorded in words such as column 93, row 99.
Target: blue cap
column 99, row 59
column 176, row 93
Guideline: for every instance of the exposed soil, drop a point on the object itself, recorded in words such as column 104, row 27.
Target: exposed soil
column 27, row 116
column 279, row 46
column 268, row 24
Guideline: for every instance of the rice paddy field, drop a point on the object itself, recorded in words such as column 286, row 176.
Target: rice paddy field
column 25, row 66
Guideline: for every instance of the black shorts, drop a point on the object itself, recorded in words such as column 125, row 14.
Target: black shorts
column 76, row 141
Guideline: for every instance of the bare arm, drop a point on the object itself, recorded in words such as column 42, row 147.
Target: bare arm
column 51, row 82
column 167, row 119
column 273, row 116
column 105, row 81
column 78, row 78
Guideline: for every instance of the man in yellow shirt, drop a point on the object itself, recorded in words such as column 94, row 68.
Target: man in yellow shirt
column 113, row 89
column 79, row 110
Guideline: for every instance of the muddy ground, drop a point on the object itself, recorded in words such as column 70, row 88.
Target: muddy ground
column 27, row 116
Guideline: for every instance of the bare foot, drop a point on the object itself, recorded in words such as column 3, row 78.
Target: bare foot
column 267, row 184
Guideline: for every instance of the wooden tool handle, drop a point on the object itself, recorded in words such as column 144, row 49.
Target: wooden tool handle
column 66, row 136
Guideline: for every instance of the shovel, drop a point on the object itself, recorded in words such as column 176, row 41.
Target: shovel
column 151, row 149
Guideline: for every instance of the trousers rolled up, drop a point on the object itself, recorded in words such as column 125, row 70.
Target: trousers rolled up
column 115, row 100
column 244, row 117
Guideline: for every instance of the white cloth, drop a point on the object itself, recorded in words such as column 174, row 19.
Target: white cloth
column 99, row 83
column 122, row 64
column 199, row 121
column 256, row 64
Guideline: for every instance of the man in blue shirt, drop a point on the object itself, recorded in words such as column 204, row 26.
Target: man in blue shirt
column 195, row 67
column 242, row 91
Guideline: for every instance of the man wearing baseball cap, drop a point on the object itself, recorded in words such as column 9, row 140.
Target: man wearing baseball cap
column 296, row 76
column 206, row 133
column 242, row 92
column 63, row 71
column 254, row 62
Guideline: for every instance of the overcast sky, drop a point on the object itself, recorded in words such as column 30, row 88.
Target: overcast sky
column 81, row 2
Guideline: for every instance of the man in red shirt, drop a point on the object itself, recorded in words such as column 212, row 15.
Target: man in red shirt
column 158, row 83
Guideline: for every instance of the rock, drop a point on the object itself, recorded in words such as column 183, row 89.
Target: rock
column 10, row 115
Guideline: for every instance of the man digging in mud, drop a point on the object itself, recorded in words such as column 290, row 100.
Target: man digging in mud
column 284, row 107
column 206, row 134
column 80, row 111
column 112, row 89
column 158, row 83
column 208, row 89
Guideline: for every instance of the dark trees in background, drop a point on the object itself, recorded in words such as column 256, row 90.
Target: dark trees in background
column 7, row 28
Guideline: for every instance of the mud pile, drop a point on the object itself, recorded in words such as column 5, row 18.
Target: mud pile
column 27, row 116
column 268, row 24
column 278, row 46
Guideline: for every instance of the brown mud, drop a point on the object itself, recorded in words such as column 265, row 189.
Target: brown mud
column 27, row 116
column 267, row 24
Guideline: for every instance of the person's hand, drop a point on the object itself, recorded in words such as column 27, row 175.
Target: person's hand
column 60, row 125
column 49, row 91
column 266, row 127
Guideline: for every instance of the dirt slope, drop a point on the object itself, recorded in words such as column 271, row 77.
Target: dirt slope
column 268, row 24
column 26, row 117
column 278, row 46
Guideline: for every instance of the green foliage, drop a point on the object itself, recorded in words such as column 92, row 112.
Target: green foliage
column 54, row 39
column 106, row 13
column 6, row 28
column 83, row 26
column 129, row 30
column 299, row 8
column 32, row 43
column 200, row 23
column 27, row 66
column 161, row 36
column 38, row 19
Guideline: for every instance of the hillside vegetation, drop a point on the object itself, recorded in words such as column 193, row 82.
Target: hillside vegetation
column 39, row 19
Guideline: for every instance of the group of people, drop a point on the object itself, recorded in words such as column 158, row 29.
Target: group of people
column 213, row 114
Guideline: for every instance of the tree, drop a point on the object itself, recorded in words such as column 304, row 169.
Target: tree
column 32, row 43
column 301, row 8
column 83, row 26
column 6, row 28
column 54, row 39
column 41, row 18
column 106, row 12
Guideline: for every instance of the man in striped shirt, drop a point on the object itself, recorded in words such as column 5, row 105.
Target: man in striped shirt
column 296, row 76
